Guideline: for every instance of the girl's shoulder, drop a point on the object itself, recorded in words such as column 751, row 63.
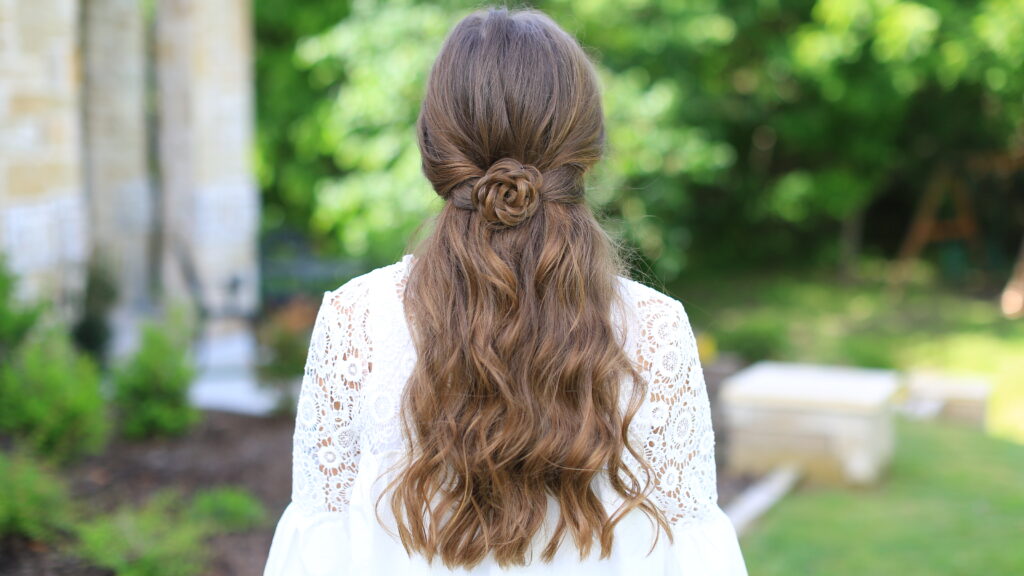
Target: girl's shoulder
column 378, row 284
column 646, row 301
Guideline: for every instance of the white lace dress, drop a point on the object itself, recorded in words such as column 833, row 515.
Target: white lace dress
column 347, row 434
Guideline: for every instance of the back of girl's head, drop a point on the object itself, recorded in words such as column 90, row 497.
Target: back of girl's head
column 510, row 86
column 515, row 395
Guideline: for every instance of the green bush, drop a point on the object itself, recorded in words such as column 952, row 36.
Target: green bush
column 151, row 389
column 34, row 504
column 227, row 510
column 50, row 398
column 166, row 536
column 284, row 340
column 287, row 351
column 147, row 541
column 869, row 351
column 16, row 319
column 756, row 340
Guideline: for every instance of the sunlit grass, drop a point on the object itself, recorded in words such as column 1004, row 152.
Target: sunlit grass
column 951, row 504
column 980, row 353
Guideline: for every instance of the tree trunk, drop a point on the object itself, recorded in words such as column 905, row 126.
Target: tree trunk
column 850, row 237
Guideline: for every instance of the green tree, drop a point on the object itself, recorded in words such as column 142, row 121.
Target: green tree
column 739, row 132
column 288, row 170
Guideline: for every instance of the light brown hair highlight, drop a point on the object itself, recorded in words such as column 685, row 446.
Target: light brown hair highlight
column 517, row 396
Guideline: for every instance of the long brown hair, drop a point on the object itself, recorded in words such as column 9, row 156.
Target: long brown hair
column 515, row 395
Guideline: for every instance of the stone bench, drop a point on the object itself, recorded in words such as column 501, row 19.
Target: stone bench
column 834, row 423
column 226, row 377
column 961, row 399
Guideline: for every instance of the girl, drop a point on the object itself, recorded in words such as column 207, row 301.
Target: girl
column 504, row 401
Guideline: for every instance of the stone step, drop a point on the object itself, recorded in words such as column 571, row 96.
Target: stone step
column 227, row 379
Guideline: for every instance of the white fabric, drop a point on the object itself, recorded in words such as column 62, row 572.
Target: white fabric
column 348, row 436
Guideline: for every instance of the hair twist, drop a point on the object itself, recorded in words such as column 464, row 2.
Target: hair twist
column 508, row 193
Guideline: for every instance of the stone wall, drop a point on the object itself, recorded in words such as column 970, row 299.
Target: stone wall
column 209, row 198
column 75, row 167
column 43, row 232
column 116, row 147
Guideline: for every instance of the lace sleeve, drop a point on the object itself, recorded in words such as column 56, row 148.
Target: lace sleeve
column 674, row 425
column 325, row 457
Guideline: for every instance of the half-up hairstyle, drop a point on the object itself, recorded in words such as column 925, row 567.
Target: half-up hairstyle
column 516, row 395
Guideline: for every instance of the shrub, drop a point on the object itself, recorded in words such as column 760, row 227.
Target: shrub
column 34, row 504
column 16, row 319
column 151, row 390
column 868, row 351
column 166, row 536
column 50, row 398
column 227, row 510
column 286, row 350
column 147, row 541
column 284, row 340
column 756, row 340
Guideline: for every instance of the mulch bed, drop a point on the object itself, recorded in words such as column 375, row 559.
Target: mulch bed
column 225, row 449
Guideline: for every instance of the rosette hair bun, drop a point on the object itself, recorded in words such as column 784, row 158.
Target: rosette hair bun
column 507, row 193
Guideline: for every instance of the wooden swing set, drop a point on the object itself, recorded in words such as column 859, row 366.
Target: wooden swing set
column 928, row 227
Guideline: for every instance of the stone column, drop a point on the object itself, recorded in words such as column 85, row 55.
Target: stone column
column 116, row 164
column 43, row 232
column 208, row 197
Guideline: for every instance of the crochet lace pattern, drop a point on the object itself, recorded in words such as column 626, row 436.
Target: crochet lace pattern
column 361, row 355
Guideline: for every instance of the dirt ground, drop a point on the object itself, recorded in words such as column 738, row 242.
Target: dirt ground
column 225, row 449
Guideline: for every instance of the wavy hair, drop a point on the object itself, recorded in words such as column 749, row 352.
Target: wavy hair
column 515, row 400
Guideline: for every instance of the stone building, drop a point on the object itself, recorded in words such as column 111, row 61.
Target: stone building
column 43, row 210
column 125, row 137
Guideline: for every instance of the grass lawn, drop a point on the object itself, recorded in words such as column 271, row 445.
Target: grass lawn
column 952, row 504
column 809, row 319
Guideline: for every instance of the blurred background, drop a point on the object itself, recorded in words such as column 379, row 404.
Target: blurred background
column 834, row 189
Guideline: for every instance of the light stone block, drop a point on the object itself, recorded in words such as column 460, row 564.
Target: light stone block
column 963, row 398
column 210, row 201
column 43, row 220
column 834, row 423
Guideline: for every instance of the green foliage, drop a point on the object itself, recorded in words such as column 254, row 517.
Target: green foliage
column 166, row 536
column 153, row 540
column 227, row 510
column 378, row 196
column 50, row 398
column 739, row 133
column 287, row 350
column 16, row 319
column 759, row 339
column 151, row 389
column 288, row 168
column 286, row 347
column 867, row 351
column 34, row 503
